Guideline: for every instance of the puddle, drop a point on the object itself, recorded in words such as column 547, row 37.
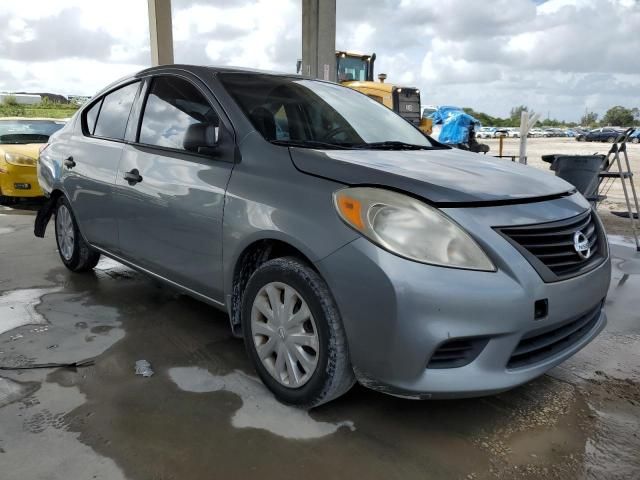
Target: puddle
column 11, row 391
column 107, row 263
column 28, row 426
column 259, row 408
column 17, row 307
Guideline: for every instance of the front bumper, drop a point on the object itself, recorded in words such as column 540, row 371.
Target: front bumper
column 19, row 181
column 397, row 313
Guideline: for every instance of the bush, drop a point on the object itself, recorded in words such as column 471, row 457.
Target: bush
column 10, row 100
column 11, row 110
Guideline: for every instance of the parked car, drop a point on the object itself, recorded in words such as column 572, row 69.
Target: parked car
column 486, row 132
column 635, row 136
column 343, row 243
column 536, row 133
column 20, row 140
column 606, row 134
column 554, row 132
column 513, row 132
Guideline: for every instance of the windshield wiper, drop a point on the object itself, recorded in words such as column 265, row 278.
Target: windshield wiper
column 395, row 145
column 312, row 144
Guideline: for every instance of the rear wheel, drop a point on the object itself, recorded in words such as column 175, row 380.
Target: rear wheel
column 294, row 335
column 74, row 252
column 611, row 139
column 635, row 140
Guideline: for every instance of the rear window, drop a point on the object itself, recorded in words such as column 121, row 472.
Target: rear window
column 113, row 116
column 15, row 132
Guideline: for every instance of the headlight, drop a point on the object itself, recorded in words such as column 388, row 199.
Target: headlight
column 19, row 159
column 409, row 228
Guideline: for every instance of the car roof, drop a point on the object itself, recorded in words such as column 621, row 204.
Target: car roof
column 216, row 69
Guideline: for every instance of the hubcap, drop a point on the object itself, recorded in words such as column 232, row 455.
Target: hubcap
column 64, row 232
column 285, row 334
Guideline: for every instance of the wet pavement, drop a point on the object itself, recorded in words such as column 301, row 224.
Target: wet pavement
column 71, row 406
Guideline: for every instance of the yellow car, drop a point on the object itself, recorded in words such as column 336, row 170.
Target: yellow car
column 20, row 143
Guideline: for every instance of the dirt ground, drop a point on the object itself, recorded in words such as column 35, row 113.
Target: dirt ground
column 72, row 408
column 536, row 147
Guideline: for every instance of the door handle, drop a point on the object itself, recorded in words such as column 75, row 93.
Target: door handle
column 69, row 163
column 133, row 176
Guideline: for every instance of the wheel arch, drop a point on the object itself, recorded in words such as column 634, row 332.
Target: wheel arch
column 45, row 212
column 248, row 260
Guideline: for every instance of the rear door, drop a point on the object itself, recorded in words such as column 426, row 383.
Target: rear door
column 90, row 160
column 170, row 221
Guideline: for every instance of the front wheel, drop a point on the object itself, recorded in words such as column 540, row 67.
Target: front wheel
column 611, row 139
column 294, row 335
column 635, row 140
column 75, row 253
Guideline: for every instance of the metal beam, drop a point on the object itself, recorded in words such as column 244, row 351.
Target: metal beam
column 319, row 39
column 160, row 31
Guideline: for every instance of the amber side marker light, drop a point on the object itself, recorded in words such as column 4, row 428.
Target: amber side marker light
column 351, row 210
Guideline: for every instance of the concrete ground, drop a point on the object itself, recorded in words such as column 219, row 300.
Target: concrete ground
column 203, row 414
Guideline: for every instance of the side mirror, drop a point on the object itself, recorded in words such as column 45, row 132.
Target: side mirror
column 201, row 138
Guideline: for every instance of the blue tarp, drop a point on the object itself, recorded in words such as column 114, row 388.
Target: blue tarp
column 455, row 124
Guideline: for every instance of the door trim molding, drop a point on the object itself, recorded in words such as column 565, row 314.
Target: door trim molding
column 193, row 293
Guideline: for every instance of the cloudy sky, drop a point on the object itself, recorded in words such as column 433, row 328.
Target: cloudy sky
column 559, row 57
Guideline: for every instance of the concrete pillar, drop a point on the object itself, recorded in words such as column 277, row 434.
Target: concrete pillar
column 319, row 39
column 160, row 31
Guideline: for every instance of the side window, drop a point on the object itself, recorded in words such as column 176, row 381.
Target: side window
column 91, row 116
column 114, row 113
column 172, row 106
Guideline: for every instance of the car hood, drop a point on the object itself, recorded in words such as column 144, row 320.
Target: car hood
column 440, row 176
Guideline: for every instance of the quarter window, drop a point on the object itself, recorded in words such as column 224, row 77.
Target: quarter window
column 91, row 116
column 116, row 106
column 172, row 106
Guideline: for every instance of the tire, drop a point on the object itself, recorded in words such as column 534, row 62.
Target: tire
column 635, row 140
column 581, row 139
column 327, row 371
column 74, row 251
column 611, row 139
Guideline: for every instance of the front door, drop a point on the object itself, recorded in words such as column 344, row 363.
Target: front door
column 170, row 198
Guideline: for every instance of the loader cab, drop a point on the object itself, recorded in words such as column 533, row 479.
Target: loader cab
column 354, row 67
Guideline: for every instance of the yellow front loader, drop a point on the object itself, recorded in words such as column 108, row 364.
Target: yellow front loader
column 356, row 71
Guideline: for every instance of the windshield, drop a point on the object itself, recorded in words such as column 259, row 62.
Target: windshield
column 289, row 109
column 18, row 132
column 350, row 69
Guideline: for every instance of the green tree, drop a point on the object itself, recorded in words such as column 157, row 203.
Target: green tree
column 619, row 116
column 589, row 119
column 516, row 113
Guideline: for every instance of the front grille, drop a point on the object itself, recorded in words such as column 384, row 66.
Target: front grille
column 549, row 247
column 457, row 353
column 538, row 345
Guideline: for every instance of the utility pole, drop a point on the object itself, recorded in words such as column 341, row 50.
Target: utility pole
column 160, row 32
column 319, row 39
